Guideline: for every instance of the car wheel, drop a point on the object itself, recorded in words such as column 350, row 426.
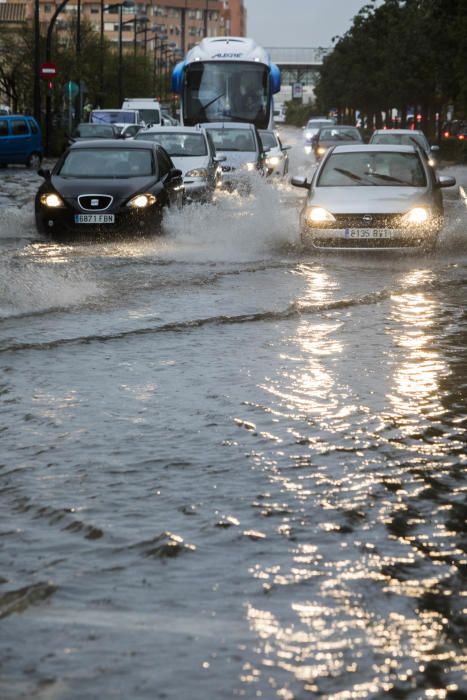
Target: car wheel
column 40, row 228
column 34, row 161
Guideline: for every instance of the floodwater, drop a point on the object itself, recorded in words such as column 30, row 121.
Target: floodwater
column 231, row 467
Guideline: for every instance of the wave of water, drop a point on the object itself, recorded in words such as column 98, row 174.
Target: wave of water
column 31, row 289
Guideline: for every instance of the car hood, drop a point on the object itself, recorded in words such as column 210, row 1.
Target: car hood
column 119, row 188
column 235, row 159
column 371, row 200
column 186, row 163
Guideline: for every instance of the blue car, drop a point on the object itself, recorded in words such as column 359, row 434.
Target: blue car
column 20, row 141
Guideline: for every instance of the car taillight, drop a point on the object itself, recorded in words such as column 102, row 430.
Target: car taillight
column 461, row 137
column 446, row 134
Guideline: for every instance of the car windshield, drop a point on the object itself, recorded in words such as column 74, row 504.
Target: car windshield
column 333, row 134
column 118, row 116
column 150, row 116
column 233, row 139
column 226, row 91
column 378, row 169
column 94, row 131
column 268, row 139
column 177, row 144
column 401, row 140
column 317, row 124
column 105, row 163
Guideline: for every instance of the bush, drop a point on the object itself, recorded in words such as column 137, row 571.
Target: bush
column 297, row 114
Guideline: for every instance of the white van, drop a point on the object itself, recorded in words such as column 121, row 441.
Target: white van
column 122, row 118
column 148, row 107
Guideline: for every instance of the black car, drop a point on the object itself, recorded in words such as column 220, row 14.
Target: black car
column 107, row 186
column 334, row 135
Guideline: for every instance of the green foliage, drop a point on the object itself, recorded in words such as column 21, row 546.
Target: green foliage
column 403, row 53
column 97, row 67
column 297, row 113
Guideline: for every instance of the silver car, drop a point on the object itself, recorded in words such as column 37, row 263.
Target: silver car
column 192, row 152
column 367, row 197
column 240, row 145
column 277, row 158
column 406, row 137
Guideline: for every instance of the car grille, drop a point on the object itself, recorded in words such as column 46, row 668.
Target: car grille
column 366, row 221
column 95, row 202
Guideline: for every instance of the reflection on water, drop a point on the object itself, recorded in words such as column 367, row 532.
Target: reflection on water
column 230, row 469
column 360, row 605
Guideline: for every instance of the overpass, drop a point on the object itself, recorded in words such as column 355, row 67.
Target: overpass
column 298, row 65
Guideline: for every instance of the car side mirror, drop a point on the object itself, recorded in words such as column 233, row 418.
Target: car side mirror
column 286, row 148
column 219, row 159
column 175, row 172
column 434, row 148
column 44, row 172
column 300, row 182
column 445, row 181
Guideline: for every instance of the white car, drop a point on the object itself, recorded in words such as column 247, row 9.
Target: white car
column 407, row 137
column 313, row 126
column 192, row 152
column 277, row 158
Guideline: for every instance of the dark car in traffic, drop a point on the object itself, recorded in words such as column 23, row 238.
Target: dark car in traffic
column 334, row 135
column 107, row 187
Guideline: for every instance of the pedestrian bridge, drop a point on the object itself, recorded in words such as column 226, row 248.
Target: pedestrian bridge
column 298, row 65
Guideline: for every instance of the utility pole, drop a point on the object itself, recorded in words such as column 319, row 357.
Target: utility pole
column 37, row 63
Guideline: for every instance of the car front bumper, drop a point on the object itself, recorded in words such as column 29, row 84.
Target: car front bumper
column 369, row 238
column 62, row 221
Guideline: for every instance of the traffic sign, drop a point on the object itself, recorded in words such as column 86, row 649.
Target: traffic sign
column 48, row 70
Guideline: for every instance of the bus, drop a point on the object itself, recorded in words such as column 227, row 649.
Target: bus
column 226, row 79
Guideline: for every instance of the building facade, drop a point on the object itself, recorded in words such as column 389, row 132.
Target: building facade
column 183, row 23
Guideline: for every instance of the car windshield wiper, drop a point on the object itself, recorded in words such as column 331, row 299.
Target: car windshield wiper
column 349, row 173
column 389, row 178
column 214, row 100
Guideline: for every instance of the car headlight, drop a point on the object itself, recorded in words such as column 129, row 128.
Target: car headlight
column 141, row 201
column 431, row 162
column 52, row 200
column 308, row 134
column 250, row 166
column 321, row 150
column 197, row 172
column 318, row 215
column 273, row 160
column 416, row 217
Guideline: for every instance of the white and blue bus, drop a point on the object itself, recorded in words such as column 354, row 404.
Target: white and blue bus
column 226, row 79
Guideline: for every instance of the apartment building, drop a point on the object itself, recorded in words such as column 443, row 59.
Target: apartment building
column 183, row 22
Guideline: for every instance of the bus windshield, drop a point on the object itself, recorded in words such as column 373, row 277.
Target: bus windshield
column 219, row 91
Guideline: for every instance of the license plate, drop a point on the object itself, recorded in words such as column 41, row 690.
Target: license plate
column 362, row 233
column 94, row 218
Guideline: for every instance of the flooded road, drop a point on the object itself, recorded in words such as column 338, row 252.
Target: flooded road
column 231, row 467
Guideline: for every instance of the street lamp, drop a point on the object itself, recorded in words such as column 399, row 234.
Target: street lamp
column 104, row 8
column 48, row 51
column 37, row 61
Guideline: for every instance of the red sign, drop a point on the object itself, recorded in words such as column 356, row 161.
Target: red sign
column 48, row 70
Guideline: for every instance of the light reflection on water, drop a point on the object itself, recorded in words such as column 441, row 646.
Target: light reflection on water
column 239, row 501
column 363, row 600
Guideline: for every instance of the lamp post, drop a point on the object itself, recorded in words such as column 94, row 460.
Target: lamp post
column 48, row 51
column 37, row 61
column 166, row 49
column 104, row 8
column 160, row 38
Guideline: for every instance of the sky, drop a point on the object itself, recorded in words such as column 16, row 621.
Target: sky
column 299, row 22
